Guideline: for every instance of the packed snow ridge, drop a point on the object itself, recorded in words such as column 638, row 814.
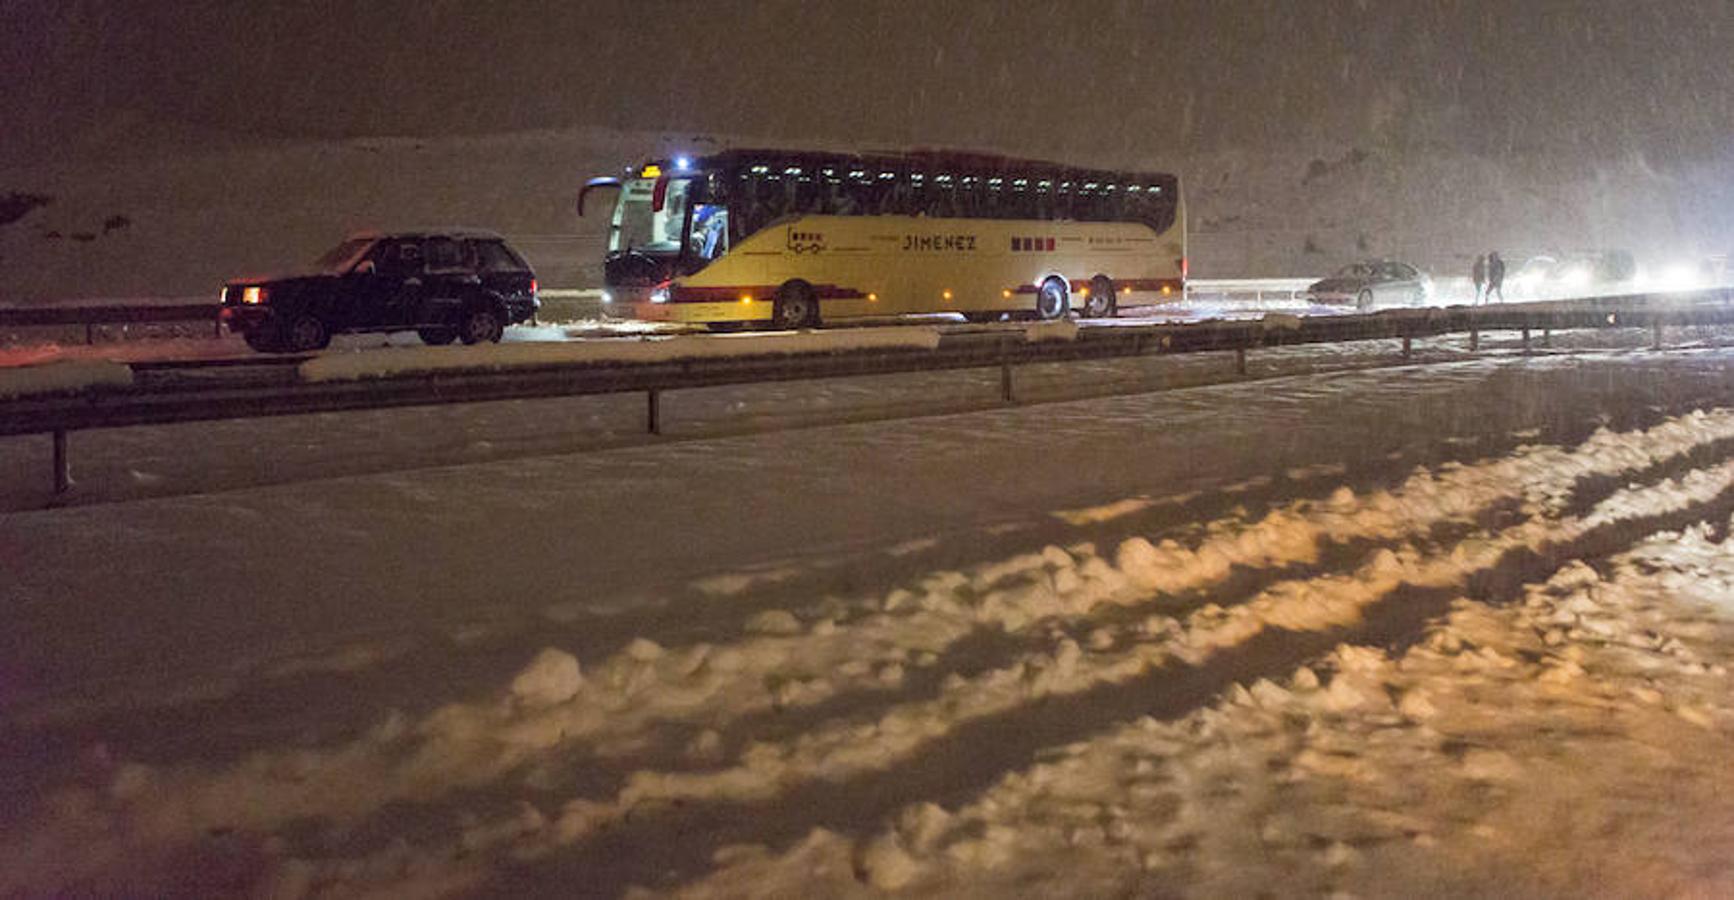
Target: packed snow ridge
column 496, row 357
column 62, row 377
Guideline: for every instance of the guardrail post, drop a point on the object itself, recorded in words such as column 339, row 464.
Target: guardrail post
column 1526, row 339
column 653, row 412
column 1547, row 337
column 1240, row 360
column 1656, row 339
column 1474, row 339
column 90, row 332
column 1005, row 382
column 1408, row 346
column 62, row 465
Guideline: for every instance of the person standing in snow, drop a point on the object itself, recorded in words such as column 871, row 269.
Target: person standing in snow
column 1495, row 276
column 1478, row 274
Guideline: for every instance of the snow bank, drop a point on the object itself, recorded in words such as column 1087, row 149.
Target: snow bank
column 1362, row 774
column 62, row 378
column 494, row 357
column 1059, row 330
column 1079, row 620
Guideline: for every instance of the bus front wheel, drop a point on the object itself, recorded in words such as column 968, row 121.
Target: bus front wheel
column 1102, row 301
column 796, row 307
column 1052, row 301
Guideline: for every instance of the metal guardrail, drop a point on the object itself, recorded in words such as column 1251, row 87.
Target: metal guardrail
column 153, row 403
column 93, row 315
column 1254, row 290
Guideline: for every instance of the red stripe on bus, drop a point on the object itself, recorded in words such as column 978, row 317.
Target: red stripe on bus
column 727, row 293
column 1136, row 284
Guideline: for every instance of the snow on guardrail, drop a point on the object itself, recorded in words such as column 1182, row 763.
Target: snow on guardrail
column 61, row 378
column 494, row 357
column 1057, row 330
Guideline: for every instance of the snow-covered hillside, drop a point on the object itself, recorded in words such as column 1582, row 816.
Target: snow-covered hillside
column 172, row 214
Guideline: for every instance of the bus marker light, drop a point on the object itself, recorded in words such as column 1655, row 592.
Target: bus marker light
column 1167, row 289
column 1006, row 293
column 1125, row 290
column 946, row 294
column 746, row 298
column 872, row 298
column 1083, row 292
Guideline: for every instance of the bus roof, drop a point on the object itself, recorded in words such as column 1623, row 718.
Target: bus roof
column 919, row 159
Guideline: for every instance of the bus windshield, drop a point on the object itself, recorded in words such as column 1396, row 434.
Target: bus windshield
column 640, row 225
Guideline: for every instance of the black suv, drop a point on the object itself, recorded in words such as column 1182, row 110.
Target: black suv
column 445, row 285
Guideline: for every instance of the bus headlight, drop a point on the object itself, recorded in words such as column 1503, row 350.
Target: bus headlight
column 660, row 295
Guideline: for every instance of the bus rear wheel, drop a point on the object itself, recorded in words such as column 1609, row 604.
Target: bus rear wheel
column 797, row 306
column 1102, row 302
column 1052, row 301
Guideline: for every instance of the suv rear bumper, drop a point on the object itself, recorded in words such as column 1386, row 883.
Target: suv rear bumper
column 521, row 309
column 244, row 319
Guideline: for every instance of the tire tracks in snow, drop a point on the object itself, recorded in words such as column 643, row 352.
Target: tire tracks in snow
column 959, row 765
column 614, row 711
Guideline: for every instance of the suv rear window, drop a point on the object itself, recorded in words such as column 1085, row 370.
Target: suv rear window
column 495, row 256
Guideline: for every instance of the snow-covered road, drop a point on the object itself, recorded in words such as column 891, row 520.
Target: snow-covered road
column 964, row 653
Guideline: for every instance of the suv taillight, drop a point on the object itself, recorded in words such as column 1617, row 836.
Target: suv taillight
column 533, row 286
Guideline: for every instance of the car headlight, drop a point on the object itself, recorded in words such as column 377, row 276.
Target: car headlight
column 1678, row 277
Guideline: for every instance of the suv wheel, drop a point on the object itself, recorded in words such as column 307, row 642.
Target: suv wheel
column 437, row 337
column 307, row 333
column 481, row 323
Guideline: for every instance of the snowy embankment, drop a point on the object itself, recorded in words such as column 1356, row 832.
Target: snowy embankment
column 61, row 378
column 1087, row 757
column 410, row 360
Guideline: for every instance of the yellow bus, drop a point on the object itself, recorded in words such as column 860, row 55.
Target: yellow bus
column 796, row 239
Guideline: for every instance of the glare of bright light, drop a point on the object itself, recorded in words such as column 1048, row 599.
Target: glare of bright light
column 607, row 297
column 682, row 163
column 1678, row 277
column 1576, row 276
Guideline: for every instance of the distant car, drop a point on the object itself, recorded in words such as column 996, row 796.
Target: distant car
column 1534, row 280
column 445, row 285
column 1374, row 283
column 1574, row 274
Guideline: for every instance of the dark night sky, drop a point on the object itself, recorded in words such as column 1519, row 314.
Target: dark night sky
column 1582, row 77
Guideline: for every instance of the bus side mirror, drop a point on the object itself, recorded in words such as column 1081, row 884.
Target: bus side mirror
column 592, row 185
